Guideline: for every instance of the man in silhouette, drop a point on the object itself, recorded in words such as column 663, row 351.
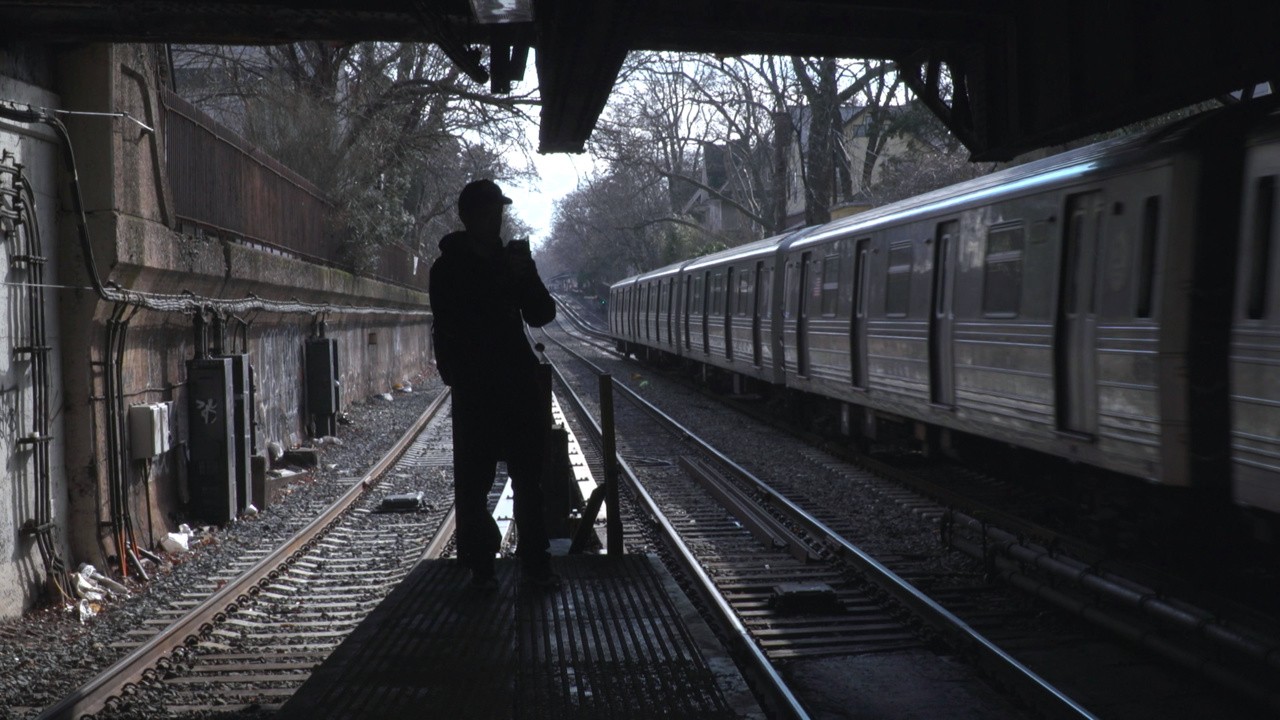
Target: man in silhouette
column 482, row 294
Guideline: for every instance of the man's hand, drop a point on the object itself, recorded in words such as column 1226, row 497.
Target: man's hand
column 520, row 260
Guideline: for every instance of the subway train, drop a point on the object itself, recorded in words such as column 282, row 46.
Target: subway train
column 1117, row 305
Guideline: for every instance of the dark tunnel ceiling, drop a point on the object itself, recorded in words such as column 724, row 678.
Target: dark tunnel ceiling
column 1027, row 74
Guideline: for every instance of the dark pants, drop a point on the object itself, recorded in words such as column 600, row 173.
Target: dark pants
column 500, row 421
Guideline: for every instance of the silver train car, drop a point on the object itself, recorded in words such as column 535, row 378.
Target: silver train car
column 1080, row 306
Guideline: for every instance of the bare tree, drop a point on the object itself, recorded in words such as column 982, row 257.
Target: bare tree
column 616, row 224
column 391, row 131
column 668, row 110
column 760, row 136
column 770, row 121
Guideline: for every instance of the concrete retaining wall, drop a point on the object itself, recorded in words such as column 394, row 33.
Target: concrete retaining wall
column 136, row 246
column 22, row 576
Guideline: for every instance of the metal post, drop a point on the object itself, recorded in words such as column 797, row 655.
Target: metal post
column 614, row 520
column 557, row 476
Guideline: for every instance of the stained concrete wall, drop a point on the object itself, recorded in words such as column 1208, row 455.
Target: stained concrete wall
column 135, row 246
column 22, row 573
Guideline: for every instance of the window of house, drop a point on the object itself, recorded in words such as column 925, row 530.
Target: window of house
column 1002, row 271
column 897, row 299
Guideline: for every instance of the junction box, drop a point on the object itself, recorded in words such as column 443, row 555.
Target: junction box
column 211, row 441
column 323, row 398
column 149, row 434
column 242, row 431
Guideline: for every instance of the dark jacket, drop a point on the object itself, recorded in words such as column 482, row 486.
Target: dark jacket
column 480, row 305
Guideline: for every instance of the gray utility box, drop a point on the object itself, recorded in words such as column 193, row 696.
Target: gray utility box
column 242, row 413
column 211, row 442
column 323, row 398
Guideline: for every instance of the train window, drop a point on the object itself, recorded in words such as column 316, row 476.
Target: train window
column 765, row 291
column 845, row 302
column 746, row 297
column 1147, row 256
column 1260, row 246
column 1002, row 272
column 897, row 297
column 830, row 281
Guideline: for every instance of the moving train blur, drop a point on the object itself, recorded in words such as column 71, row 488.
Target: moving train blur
column 1115, row 305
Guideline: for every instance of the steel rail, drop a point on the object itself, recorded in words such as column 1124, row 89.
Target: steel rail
column 778, row 695
column 1149, row 602
column 774, row 689
column 94, row 695
column 576, row 318
column 1030, row 685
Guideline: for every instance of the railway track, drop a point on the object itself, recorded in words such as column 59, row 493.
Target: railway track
column 792, row 588
column 250, row 636
column 1242, row 684
column 798, row 590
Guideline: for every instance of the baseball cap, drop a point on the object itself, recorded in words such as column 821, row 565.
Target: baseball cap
column 481, row 192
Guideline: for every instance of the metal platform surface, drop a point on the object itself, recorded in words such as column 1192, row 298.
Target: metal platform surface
column 617, row 640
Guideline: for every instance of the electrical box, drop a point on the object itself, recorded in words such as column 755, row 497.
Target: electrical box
column 149, row 430
column 323, row 398
column 242, row 428
column 211, row 443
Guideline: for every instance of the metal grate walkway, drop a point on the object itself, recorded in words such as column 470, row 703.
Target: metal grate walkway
column 617, row 640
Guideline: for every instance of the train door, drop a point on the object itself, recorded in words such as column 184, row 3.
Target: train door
column 661, row 312
column 730, row 307
column 633, row 311
column 942, row 389
column 646, row 310
column 661, row 330
column 802, row 316
column 707, row 311
column 671, row 304
column 656, row 316
column 858, row 317
column 1075, row 374
column 651, row 314
column 759, row 297
column 688, row 306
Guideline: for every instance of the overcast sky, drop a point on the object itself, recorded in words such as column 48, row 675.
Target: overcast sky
column 535, row 203
column 560, row 173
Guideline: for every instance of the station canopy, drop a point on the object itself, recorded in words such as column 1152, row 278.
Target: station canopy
column 1005, row 76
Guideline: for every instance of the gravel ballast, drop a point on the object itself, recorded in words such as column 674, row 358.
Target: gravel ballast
column 50, row 651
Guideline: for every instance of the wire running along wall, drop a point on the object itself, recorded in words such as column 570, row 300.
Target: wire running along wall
column 20, row 232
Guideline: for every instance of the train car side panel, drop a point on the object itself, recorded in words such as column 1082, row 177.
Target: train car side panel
column 1255, row 342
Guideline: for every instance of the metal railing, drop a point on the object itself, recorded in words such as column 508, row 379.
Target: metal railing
column 224, row 186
